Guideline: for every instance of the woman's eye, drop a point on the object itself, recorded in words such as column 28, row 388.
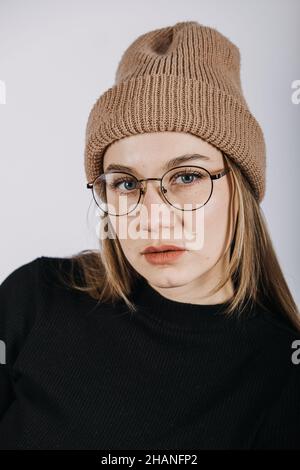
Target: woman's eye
column 129, row 185
column 187, row 178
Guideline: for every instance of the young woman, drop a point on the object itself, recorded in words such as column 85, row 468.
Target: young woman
column 180, row 331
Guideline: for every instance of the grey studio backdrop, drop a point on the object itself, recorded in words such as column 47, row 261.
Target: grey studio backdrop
column 57, row 57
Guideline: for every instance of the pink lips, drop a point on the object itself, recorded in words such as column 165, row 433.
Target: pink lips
column 163, row 254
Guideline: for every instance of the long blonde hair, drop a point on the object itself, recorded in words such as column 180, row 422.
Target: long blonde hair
column 253, row 267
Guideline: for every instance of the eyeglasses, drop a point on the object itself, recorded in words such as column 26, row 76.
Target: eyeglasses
column 183, row 187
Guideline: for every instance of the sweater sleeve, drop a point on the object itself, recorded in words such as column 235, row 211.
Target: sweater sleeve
column 17, row 314
column 280, row 428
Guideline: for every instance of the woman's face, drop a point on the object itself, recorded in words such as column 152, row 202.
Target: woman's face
column 204, row 233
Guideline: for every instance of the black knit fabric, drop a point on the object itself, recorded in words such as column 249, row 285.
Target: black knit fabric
column 173, row 375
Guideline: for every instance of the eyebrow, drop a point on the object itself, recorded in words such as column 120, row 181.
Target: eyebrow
column 170, row 164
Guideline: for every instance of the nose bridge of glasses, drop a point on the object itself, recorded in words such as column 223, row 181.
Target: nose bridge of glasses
column 144, row 185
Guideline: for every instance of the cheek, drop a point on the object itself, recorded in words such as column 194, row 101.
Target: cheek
column 216, row 226
column 209, row 226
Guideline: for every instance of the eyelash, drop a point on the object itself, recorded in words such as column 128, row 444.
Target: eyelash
column 190, row 173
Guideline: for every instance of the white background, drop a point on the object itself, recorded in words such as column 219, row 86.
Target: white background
column 58, row 57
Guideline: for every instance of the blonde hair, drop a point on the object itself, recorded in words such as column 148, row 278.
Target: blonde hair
column 253, row 267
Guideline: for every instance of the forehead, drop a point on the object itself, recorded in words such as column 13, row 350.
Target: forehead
column 159, row 151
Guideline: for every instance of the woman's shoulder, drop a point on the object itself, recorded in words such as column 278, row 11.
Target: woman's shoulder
column 54, row 269
column 32, row 273
column 18, row 305
column 27, row 284
column 18, row 286
column 277, row 321
column 33, row 290
column 19, row 273
column 277, row 341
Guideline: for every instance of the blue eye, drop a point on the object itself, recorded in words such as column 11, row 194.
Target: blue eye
column 130, row 184
column 187, row 176
column 191, row 177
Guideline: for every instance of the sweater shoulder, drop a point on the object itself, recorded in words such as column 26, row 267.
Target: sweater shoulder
column 32, row 291
column 18, row 305
column 54, row 271
column 277, row 322
column 19, row 274
column 278, row 341
column 19, row 286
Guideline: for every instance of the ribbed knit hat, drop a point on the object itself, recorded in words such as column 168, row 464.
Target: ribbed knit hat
column 182, row 78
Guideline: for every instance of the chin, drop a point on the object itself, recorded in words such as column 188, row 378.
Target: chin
column 170, row 279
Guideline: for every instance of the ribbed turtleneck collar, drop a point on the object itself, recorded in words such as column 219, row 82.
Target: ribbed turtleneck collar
column 180, row 314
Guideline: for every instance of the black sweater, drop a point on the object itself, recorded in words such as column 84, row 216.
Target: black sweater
column 82, row 375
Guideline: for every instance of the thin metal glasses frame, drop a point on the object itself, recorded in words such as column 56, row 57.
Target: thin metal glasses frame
column 162, row 189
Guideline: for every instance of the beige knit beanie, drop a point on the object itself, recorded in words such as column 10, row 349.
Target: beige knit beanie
column 183, row 78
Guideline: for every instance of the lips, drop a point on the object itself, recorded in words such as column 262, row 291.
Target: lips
column 164, row 254
column 162, row 249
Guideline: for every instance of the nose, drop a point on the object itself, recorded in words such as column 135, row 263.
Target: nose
column 155, row 211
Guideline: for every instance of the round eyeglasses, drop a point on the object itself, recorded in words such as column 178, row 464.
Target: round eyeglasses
column 186, row 188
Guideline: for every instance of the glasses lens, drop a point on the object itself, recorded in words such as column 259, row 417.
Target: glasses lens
column 116, row 193
column 187, row 188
